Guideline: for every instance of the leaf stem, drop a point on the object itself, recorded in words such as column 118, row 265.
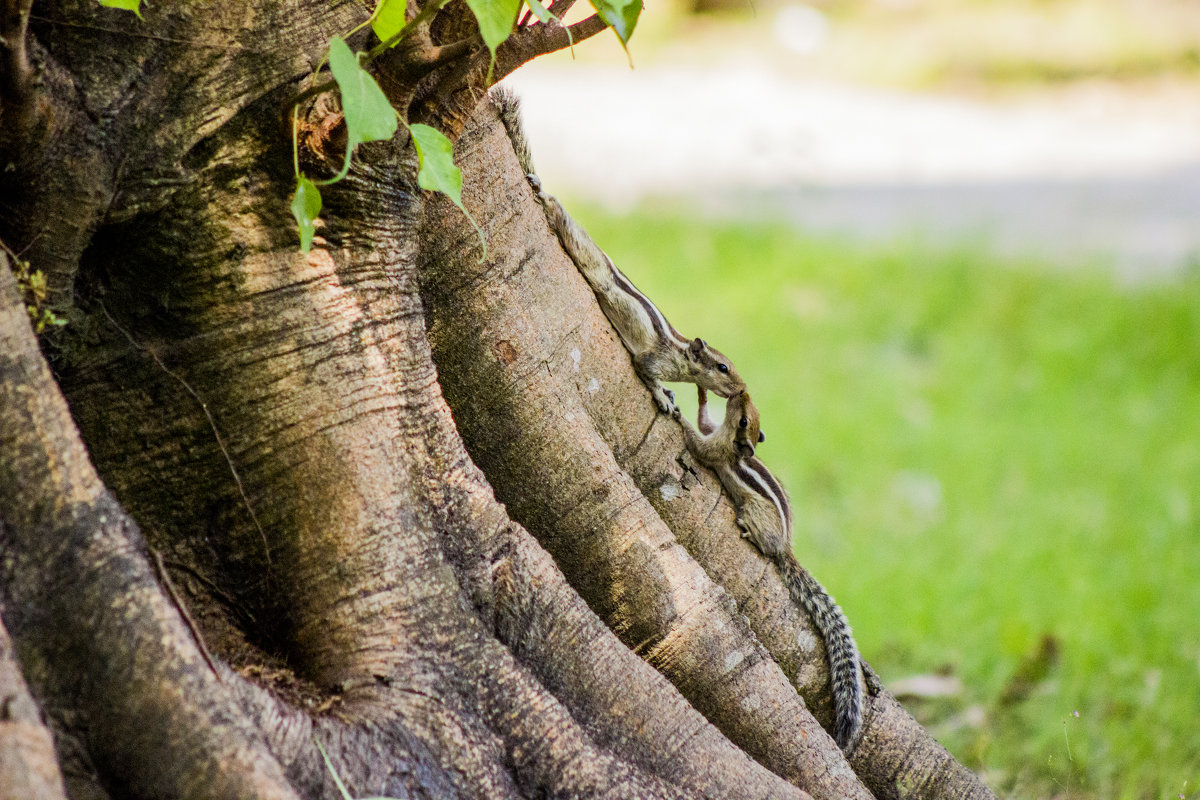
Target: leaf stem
column 296, row 140
column 422, row 16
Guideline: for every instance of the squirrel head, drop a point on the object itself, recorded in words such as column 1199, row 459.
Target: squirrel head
column 713, row 370
column 741, row 415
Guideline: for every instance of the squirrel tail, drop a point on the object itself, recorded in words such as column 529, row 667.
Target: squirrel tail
column 596, row 267
column 845, row 669
column 508, row 106
column 601, row 274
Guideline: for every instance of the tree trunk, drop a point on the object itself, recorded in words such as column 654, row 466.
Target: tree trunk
column 245, row 513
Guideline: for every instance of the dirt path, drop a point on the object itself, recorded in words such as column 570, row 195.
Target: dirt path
column 1079, row 175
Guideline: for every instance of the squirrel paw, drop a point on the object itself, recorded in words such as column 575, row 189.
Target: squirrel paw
column 672, row 408
column 667, row 407
column 535, row 183
column 665, row 400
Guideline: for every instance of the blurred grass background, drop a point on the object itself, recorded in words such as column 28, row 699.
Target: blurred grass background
column 976, row 45
column 994, row 461
column 994, row 467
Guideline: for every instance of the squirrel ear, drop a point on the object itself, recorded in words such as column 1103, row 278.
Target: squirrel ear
column 697, row 345
column 762, row 437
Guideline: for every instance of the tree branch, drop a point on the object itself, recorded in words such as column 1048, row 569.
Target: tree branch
column 528, row 43
column 559, row 8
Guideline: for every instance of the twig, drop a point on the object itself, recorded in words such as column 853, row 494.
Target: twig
column 166, row 582
column 211, row 423
column 528, row 43
column 133, row 34
column 213, row 588
column 422, row 16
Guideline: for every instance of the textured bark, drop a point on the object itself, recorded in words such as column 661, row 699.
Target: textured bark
column 28, row 764
column 316, row 556
column 545, row 393
column 507, row 334
column 97, row 638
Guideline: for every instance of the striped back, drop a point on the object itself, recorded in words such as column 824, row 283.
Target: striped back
column 755, row 475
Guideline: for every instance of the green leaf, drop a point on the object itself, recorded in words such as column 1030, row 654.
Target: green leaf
column 541, row 12
column 306, row 204
column 436, row 155
column 369, row 115
column 336, row 778
column 128, row 5
column 620, row 15
column 389, row 18
column 438, row 173
column 496, row 20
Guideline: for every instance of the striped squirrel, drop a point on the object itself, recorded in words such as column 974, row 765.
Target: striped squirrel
column 660, row 353
column 765, row 516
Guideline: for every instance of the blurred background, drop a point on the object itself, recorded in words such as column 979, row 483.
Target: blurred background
column 954, row 248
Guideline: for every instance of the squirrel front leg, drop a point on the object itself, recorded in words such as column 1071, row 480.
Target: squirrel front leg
column 664, row 398
column 659, row 351
column 646, row 366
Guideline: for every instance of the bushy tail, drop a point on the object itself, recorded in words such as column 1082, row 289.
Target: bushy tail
column 587, row 255
column 845, row 670
column 508, row 106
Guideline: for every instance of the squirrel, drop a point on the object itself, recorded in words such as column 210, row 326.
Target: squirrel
column 765, row 516
column 660, row 352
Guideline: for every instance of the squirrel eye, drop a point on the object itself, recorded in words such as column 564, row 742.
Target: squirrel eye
column 723, row 368
column 744, row 422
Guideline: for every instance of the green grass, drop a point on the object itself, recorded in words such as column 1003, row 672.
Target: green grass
column 979, row 453
column 962, row 45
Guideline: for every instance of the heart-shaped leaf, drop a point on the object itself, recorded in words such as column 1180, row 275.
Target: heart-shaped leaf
column 306, row 205
column 369, row 115
column 620, row 15
column 389, row 18
column 437, row 170
column 496, row 20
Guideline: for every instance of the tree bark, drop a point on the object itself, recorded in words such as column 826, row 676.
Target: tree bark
column 239, row 518
column 28, row 766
